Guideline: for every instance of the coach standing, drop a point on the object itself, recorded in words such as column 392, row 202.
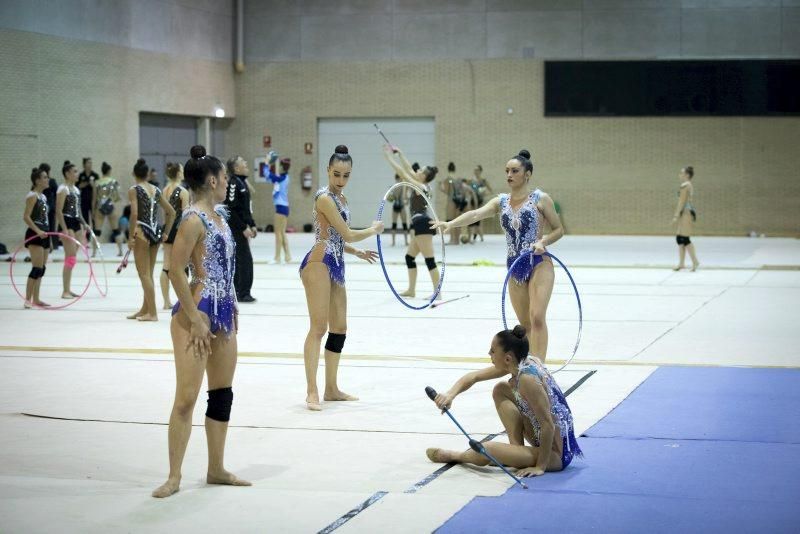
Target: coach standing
column 242, row 226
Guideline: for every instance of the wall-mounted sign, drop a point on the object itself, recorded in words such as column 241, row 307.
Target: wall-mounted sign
column 308, row 148
column 267, row 141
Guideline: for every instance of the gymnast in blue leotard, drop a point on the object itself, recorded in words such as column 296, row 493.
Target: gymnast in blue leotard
column 531, row 407
column 524, row 215
column 205, row 320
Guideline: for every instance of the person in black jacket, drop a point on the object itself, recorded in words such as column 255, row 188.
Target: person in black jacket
column 242, row 226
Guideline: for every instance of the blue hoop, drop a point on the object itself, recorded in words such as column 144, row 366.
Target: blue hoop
column 574, row 287
column 380, row 249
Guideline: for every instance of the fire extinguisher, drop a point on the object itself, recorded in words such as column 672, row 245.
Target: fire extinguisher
column 307, row 178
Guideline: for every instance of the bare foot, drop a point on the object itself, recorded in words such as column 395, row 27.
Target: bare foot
column 678, row 268
column 226, row 479
column 42, row 304
column 288, row 259
column 440, row 456
column 312, row 402
column 408, row 293
column 28, row 305
column 338, row 396
column 167, row 305
column 69, row 295
column 695, row 266
column 147, row 318
column 135, row 315
column 170, row 487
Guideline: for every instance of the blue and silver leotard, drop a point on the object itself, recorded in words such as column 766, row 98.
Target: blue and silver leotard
column 562, row 415
column 215, row 275
column 522, row 229
column 329, row 244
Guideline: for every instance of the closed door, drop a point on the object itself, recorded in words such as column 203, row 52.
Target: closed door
column 371, row 175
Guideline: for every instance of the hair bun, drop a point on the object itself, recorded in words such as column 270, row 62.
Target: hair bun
column 140, row 161
column 198, row 151
column 524, row 153
column 519, row 331
column 341, row 149
column 689, row 169
column 67, row 162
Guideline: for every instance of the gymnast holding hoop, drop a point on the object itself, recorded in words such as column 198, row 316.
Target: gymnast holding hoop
column 35, row 217
column 422, row 233
column 70, row 218
column 322, row 273
column 522, row 213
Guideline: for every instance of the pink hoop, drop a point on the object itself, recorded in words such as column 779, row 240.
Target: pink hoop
column 61, row 236
column 102, row 262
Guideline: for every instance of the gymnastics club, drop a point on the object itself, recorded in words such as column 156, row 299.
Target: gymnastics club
column 476, row 446
column 124, row 262
column 375, row 124
column 435, row 304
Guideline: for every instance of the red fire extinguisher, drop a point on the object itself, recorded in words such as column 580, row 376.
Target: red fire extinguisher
column 307, row 178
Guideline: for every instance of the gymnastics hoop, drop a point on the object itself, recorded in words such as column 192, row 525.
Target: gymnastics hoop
column 102, row 263
column 574, row 287
column 380, row 249
column 61, row 236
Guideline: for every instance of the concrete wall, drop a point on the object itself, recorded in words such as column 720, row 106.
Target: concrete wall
column 66, row 99
column 610, row 175
column 316, row 30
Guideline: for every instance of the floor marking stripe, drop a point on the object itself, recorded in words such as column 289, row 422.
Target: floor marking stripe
column 354, row 512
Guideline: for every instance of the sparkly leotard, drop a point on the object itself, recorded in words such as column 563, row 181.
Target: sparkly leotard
column 72, row 206
column 39, row 212
column 522, row 229
column 329, row 244
column 147, row 213
column 176, row 203
column 559, row 409
column 215, row 275
column 107, row 189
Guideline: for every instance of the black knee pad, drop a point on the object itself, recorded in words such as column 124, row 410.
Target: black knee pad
column 335, row 342
column 405, row 227
column 682, row 240
column 97, row 232
column 394, row 226
column 36, row 273
column 44, row 270
column 431, row 263
column 219, row 404
column 410, row 263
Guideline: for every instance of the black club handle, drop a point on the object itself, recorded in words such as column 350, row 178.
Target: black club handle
column 430, row 392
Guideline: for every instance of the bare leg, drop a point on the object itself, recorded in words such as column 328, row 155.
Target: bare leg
column 141, row 257
column 164, row 278
column 70, row 251
column 693, row 255
column 189, row 377
column 411, row 250
column 540, row 289
column 37, row 260
column 425, row 243
column 38, row 285
column 317, row 284
column 509, row 413
column 682, row 256
column 150, row 313
column 337, row 324
column 281, row 243
column 521, row 302
column 220, row 368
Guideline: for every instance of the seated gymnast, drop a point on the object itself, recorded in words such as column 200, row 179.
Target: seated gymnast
column 530, row 405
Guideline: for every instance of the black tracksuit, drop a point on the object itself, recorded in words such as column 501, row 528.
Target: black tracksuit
column 240, row 219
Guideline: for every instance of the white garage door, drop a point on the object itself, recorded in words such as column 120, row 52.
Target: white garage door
column 371, row 175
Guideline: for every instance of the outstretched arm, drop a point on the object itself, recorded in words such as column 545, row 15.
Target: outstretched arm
column 444, row 400
column 470, row 217
column 326, row 206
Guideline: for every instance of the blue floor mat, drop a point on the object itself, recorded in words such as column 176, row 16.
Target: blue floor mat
column 710, row 403
column 691, row 450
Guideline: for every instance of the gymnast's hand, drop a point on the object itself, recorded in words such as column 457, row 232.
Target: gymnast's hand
column 200, row 336
column 377, row 226
column 530, row 472
column 442, row 226
column 444, row 401
column 368, row 256
column 538, row 248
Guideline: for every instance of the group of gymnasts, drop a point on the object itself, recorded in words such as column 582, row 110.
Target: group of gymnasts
column 530, row 404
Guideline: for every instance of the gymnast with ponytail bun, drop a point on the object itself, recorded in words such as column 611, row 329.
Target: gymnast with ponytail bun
column 524, row 216
column 322, row 273
column 205, row 320
column 36, row 240
column 531, row 407
column 146, row 235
